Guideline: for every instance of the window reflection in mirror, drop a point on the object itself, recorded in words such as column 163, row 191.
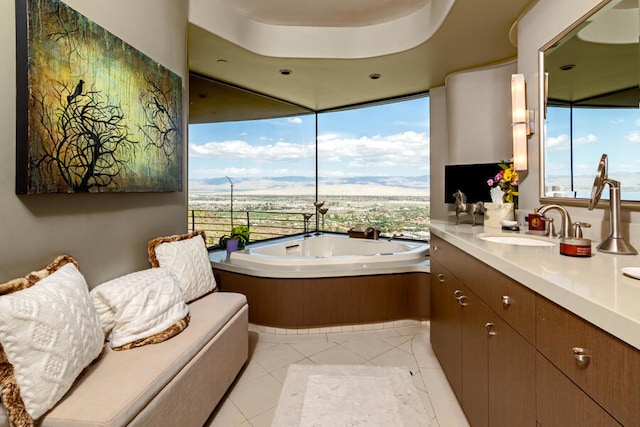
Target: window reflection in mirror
column 593, row 104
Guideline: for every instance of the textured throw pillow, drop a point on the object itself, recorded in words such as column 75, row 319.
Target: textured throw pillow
column 49, row 332
column 187, row 256
column 145, row 307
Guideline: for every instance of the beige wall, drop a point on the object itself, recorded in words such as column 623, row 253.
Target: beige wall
column 106, row 233
column 470, row 123
column 479, row 114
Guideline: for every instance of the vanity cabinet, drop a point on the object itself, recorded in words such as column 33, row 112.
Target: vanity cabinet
column 489, row 365
column 515, row 358
column 600, row 365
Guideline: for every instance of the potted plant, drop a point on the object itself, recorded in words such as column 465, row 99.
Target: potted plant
column 240, row 233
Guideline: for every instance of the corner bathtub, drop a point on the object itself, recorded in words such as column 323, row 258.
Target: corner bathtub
column 328, row 280
column 329, row 251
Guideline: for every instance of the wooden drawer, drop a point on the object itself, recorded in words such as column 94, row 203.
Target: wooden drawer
column 561, row 403
column 463, row 266
column 514, row 302
column 609, row 371
column 490, row 286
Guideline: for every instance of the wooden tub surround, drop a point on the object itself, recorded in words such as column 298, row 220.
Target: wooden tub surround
column 331, row 301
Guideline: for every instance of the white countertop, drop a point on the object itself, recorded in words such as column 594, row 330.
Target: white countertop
column 593, row 288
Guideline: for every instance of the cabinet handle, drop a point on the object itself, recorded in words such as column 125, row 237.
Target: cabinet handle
column 441, row 278
column 488, row 326
column 462, row 299
column 506, row 301
column 580, row 354
column 457, row 294
column 433, row 248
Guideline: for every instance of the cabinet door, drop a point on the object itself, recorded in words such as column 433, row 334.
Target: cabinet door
column 512, row 364
column 607, row 369
column 445, row 325
column 561, row 403
column 475, row 391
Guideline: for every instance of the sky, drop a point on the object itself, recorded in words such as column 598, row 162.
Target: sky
column 615, row 132
column 386, row 140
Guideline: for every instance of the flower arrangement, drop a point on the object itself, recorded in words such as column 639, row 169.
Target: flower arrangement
column 507, row 180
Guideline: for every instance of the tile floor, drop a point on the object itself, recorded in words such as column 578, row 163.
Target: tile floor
column 252, row 399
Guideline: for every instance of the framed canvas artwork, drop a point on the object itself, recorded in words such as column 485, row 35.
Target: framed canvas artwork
column 93, row 113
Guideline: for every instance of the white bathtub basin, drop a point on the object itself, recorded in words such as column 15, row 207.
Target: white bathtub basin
column 519, row 239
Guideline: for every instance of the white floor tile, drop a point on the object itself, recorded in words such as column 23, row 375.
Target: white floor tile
column 253, row 398
column 226, row 415
column 276, row 357
column 445, row 405
column 397, row 357
column 310, row 348
column 368, row 349
column 263, row 420
column 338, row 356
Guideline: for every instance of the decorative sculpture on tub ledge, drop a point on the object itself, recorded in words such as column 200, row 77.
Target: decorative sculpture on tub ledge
column 473, row 209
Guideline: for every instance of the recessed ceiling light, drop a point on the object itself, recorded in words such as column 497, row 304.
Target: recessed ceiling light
column 567, row 67
column 375, row 76
column 285, row 72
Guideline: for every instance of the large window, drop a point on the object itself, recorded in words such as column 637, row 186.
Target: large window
column 373, row 167
column 369, row 165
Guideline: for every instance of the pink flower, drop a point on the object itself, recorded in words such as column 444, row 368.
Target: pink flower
column 498, row 177
column 490, row 182
column 516, row 182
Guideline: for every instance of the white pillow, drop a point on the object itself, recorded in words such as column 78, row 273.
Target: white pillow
column 139, row 305
column 50, row 333
column 186, row 256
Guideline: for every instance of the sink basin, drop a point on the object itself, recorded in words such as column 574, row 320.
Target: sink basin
column 519, row 240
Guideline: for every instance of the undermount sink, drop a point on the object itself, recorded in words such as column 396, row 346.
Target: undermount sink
column 519, row 240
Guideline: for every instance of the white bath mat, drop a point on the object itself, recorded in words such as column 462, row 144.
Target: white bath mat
column 349, row 395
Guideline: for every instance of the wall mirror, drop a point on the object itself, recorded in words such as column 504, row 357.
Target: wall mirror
column 590, row 97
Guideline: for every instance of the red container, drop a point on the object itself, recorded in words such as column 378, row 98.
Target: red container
column 536, row 223
column 575, row 247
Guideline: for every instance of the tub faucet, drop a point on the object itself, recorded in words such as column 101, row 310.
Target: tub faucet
column 395, row 235
column 566, row 219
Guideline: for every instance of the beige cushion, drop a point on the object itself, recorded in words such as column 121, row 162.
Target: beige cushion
column 187, row 257
column 122, row 383
column 50, row 333
column 140, row 308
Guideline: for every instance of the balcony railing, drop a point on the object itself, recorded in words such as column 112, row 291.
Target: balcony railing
column 262, row 224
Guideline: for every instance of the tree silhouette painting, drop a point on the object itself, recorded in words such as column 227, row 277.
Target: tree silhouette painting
column 94, row 114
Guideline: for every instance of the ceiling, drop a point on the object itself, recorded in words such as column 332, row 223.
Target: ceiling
column 473, row 34
column 597, row 63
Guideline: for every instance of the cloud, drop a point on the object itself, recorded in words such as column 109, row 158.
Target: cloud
column 294, row 120
column 406, row 149
column 633, row 137
column 558, row 143
column 591, row 138
column 242, row 150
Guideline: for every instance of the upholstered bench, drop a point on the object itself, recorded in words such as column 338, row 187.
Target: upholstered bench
column 173, row 346
column 173, row 383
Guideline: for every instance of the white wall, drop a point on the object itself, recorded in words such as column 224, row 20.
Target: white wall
column 546, row 20
column 106, row 233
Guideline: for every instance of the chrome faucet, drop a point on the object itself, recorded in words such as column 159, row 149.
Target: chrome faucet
column 566, row 219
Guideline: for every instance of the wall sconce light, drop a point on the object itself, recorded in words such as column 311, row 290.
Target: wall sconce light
column 521, row 121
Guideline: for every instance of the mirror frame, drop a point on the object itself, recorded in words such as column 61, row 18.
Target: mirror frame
column 542, row 108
